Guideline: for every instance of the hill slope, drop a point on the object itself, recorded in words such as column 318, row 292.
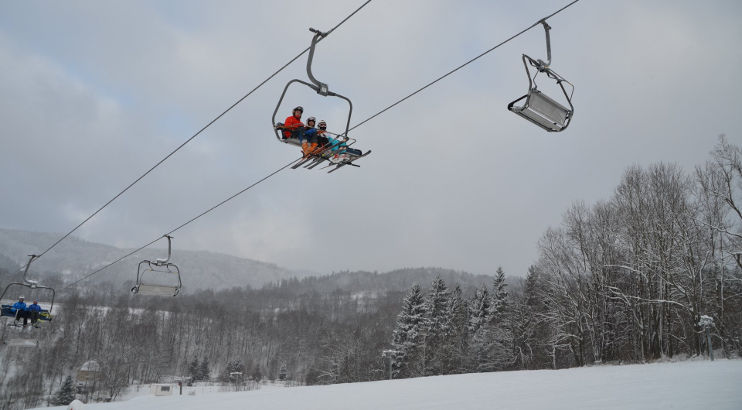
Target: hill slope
column 685, row 385
column 200, row 270
column 74, row 258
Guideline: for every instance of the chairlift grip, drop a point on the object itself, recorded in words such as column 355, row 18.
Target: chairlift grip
column 169, row 251
column 547, row 27
column 322, row 88
column 28, row 265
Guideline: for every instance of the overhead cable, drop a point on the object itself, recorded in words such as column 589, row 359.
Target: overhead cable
column 197, row 134
column 355, row 126
column 460, row 67
column 265, row 178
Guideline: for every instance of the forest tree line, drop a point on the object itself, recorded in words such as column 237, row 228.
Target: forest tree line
column 624, row 280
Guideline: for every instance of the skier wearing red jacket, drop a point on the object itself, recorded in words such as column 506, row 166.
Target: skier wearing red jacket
column 293, row 122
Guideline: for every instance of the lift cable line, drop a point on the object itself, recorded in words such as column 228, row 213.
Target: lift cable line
column 197, row 133
column 461, row 66
column 265, row 178
column 294, row 161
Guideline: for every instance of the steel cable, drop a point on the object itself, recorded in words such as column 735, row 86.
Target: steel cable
column 197, row 134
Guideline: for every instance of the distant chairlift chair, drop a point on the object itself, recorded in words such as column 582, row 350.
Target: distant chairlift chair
column 159, row 278
column 7, row 337
column 7, row 310
column 539, row 108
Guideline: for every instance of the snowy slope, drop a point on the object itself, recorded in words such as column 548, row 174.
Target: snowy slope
column 683, row 385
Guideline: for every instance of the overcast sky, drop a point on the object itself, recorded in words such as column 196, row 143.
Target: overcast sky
column 93, row 93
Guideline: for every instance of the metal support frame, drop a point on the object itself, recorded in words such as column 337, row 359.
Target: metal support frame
column 546, row 112
column 144, row 288
column 316, row 85
column 31, row 284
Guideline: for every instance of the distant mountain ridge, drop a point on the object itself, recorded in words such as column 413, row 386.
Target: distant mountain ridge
column 393, row 281
column 202, row 270
column 74, row 257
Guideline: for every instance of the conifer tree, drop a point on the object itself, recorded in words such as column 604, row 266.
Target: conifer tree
column 437, row 306
column 65, row 394
column 232, row 366
column 492, row 342
column 498, row 303
column 203, row 370
column 479, row 309
column 457, row 338
column 283, row 372
column 193, row 370
column 409, row 336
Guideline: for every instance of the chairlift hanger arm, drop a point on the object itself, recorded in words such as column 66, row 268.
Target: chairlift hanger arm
column 320, row 87
column 169, row 251
column 547, row 27
column 28, row 265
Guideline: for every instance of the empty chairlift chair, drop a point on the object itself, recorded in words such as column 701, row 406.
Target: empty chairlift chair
column 158, row 278
column 537, row 107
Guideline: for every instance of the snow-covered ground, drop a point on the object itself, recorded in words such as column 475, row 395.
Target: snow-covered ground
column 683, row 385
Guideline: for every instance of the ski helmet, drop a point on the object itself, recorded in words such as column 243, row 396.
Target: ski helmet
column 299, row 108
column 322, row 124
column 311, row 119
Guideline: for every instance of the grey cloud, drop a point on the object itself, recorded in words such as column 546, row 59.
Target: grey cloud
column 455, row 180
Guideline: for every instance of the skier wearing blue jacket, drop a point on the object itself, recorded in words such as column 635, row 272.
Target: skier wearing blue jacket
column 34, row 310
column 20, row 311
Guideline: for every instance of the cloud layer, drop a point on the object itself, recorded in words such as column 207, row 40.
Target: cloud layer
column 93, row 94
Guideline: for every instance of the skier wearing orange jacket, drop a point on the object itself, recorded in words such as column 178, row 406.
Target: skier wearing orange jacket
column 293, row 122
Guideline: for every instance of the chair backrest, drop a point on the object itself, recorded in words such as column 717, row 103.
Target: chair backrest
column 548, row 108
column 543, row 111
column 157, row 290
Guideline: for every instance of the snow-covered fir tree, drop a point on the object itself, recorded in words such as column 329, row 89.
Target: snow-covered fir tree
column 479, row 309
column 436, row 349
column 232, row 366
column 409, row 335
column 203, row 370
column 498, row 304
column 193, row 370
column 282, row 373
column 65, row 394
column 492, row 340
column 457, row 337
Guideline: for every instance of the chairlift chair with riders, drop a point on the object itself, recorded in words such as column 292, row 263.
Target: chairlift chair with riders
column 158, row 278
column 539, row 108
column 7, row 310
column 323, row 90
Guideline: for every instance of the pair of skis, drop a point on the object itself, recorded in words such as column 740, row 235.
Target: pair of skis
column 313, row 160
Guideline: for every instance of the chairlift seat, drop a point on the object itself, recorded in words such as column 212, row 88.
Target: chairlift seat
column 159, row 278
column 292, row 141
column 156, row 290
column 19, row 342
column 542, row 110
